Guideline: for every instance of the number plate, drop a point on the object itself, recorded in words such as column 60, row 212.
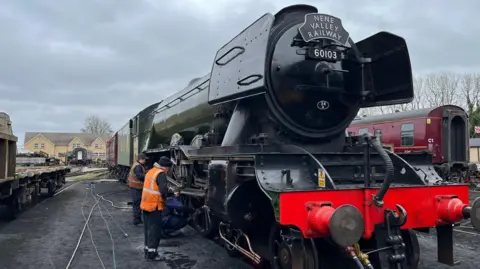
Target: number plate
column 324, row 54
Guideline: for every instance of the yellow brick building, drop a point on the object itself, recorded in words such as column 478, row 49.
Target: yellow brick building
column 59, row 144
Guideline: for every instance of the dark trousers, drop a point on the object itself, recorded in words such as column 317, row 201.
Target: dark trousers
column 152, row 223
column 174, row 223
column 136, row 199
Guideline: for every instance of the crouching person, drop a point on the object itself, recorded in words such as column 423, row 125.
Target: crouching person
column 175, row 217
column 153, row 203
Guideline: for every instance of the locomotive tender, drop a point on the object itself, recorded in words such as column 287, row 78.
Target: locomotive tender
column 261, row 152
column 443, row 130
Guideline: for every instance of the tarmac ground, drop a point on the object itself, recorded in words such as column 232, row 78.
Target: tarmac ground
column 46, row 236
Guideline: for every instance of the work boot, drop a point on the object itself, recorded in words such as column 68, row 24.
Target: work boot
column 155, row 257
column 137, row 222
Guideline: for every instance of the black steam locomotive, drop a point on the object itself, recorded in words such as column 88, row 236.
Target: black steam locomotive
column 261, row 154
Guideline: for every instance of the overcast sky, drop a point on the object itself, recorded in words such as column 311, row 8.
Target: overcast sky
column 63, row 60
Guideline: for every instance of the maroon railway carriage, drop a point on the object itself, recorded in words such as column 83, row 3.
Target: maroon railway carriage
column 443, row 130
column 111, row 157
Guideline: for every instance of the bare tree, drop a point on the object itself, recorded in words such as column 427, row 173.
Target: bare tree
column 442, row 89
column 96, row 125
column 420, row 93
column 364, row 112
column 470, row 84
column 471, row 90
column 417, row 103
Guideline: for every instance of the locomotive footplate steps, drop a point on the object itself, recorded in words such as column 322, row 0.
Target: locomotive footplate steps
column 392, row 243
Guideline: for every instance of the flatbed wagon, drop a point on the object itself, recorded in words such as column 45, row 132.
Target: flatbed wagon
column 22, row 186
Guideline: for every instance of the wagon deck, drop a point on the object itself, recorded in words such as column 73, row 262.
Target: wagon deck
column 23, row 185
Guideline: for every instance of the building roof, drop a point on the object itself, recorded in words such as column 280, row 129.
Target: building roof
column 474, row 142
column 63, row 139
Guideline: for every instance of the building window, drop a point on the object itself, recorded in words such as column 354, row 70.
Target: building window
column 97, row 146
column 99, row 155
column 75, row 146
column 406, row 134
column 362, row 131
column 42, row 145
column 35, row 145
column 378, row 135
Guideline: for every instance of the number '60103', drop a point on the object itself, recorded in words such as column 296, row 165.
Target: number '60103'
column 325, row 54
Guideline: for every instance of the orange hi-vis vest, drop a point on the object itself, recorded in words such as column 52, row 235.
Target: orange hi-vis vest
column 151, row 197
column 133, row 181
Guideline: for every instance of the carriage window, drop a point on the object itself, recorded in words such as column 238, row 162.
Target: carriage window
column 378, row 134
column 406, row 135
column 362, row 131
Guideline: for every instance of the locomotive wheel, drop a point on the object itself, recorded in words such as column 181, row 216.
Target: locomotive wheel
column 14, row 206
column 51, row 189
column 204, row 222
column 412, row 248
column 292, row 254
column 36, row 194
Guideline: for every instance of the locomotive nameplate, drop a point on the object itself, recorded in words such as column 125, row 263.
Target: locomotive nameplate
column 323, row 54
column 323, row 26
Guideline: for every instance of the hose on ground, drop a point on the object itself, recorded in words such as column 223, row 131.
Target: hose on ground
column 108, row 229
column 90, row 231
column 81, row 235
column 97, row 201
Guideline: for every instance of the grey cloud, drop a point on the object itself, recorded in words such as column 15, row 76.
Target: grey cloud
column 64, row 60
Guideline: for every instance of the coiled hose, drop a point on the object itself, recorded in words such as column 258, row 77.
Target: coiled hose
column 378, row 198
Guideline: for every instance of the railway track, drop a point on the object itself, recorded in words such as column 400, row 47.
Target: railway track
column 81, row 172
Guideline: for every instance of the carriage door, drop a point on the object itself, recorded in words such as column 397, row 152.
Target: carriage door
column 135, row 138
column 455, row 136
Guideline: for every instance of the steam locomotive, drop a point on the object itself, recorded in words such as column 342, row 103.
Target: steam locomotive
column 262, row 156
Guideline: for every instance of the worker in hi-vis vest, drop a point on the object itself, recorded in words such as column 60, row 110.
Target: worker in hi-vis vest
column 135, row 182
column 154, row 197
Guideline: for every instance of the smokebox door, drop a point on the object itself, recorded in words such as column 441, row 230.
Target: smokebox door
column 389, row 75
column 238, row 70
